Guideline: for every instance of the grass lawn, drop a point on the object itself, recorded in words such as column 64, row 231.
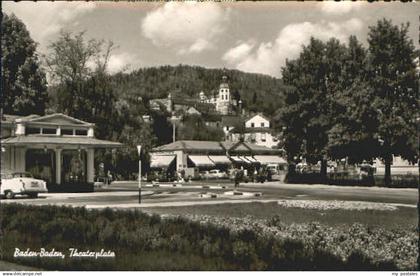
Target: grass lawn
column 403, row 217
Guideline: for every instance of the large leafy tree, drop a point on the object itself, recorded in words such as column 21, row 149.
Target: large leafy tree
column 77, row 68
column 23, row 82
column 393, row 79
column 354, row 133
column 316, row 79
column 82, row 87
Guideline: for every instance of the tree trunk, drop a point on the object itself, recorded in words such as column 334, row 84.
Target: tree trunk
column 388, row 161
column 324, row 168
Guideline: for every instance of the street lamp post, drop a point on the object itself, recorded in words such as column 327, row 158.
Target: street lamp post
column 173, row 132
column 139, row 151
column 174, row 119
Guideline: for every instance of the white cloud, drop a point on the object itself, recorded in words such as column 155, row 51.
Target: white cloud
column 269, row 57
column 121, row 62
column 118, row 62
column 186, row 27
column 44, row 19
column 340, row 8
column 238, row 52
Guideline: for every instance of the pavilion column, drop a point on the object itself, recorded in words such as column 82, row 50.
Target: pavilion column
column 58, row 166
column 90, row 165
column 12, row 158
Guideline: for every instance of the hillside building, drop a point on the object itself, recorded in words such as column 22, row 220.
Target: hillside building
column 257, row 130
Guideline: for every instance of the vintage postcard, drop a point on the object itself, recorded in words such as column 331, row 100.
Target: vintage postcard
column 209, row 136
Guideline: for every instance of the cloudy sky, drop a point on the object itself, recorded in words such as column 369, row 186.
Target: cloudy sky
column 249, row 36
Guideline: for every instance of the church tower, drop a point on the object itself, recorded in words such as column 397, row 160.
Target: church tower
column 223, row 104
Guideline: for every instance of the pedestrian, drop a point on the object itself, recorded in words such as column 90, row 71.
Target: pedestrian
column 237, row 178
column 255, row 177
column 109, row 178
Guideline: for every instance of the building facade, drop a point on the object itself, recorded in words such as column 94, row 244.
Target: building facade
column 56, row 148
column 257, row 130
column 183, row 155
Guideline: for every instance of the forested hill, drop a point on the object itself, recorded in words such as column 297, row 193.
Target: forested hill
column 259, row 93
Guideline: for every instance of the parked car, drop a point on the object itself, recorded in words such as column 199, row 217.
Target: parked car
column 215, row 174
column 160, row 176
column 273, row 168
column 21, row 183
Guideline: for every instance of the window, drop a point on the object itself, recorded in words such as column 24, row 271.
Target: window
column 262, row 124
column 252, row 125
column 33, row 130
column 49, row 131
column 67, row 132
column 81, row 132
column 263, row 137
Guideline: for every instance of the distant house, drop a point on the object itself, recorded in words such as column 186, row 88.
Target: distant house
column 192, row 111
column 257, row 131
column 399, row 167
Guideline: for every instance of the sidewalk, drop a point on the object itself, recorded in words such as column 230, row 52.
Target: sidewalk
column 179, row 203
column 95, row 194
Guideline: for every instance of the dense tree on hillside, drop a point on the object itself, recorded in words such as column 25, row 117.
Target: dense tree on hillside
column 162, row 127
column 193, row 127
column 23, row 82
column 185, row 81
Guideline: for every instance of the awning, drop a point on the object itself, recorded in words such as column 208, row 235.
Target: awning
column 251, row 159
column 90, row 142
column 245, row 159
column 270, row 159
column 240, row 159
column 237, row 159
column 161, row 161
column 201, row 160
column 220, row 159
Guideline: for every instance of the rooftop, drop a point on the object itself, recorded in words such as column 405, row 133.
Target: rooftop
column 214, row 146
column 55, row 118
column 59, row 140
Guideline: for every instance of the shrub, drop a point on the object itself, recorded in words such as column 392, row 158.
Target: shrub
column 398, row 181
column 202, row 242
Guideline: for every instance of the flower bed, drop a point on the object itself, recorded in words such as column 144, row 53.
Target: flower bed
column 398, row 181
column 357, row 243
column 336, row 205
column 151, row 242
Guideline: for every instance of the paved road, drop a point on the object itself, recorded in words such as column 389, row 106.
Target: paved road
column 125, row 194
